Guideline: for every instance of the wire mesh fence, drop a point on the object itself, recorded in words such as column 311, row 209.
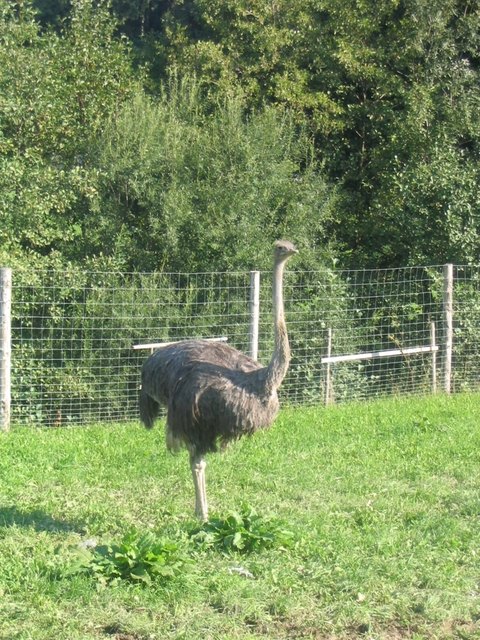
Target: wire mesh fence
column 73, row 332
column 363, row 312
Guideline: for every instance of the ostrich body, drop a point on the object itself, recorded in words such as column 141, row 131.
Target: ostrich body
column 214, row 393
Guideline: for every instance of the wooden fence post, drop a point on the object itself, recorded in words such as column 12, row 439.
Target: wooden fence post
column 434, row 357
column 5, row 346
column 448, row 321
column 328, row 376
column 254, row 313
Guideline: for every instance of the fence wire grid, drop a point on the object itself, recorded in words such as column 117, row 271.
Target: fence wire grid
column 73, row 332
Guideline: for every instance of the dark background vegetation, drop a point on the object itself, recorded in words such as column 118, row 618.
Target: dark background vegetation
column 187, row 135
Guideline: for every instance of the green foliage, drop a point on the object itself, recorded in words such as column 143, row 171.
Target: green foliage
column 390, row 90
column 137, row 559
column 53, row 378
column 173, row 166
column 243, row 531
column 433, row 205
column 57, row 89
column 387, row 90
column 411, row 148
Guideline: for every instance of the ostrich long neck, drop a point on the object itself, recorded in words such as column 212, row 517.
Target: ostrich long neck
column 278, row 366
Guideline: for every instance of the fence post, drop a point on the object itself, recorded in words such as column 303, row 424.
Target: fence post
column 448, row 320
column 433, row 346
column 328, row 376
column 254, row 313
column 5, row 346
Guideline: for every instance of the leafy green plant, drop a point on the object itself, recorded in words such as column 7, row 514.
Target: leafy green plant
column 136, row 559
column 244, row 531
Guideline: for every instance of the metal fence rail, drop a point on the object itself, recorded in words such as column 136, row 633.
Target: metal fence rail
column 72, row 333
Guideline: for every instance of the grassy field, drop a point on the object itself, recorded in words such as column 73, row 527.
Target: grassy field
column 382, row 500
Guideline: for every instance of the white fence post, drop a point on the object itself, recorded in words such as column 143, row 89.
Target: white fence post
column 448, row 320
column 5, row 346
column 254, row 313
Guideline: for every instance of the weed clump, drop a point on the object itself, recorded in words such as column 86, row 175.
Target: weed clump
column 136, row 559
column 243, row 531
column 143, row 559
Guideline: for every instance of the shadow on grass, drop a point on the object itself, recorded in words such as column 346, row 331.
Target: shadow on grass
column 36, row 519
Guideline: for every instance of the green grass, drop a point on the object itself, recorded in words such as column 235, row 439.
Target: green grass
column 383, row 500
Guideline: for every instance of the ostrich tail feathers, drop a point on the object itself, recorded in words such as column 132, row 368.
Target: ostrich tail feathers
column 149, row 409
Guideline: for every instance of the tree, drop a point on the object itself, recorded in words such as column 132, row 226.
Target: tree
column 190, row 188
column 387, row 89
column 385, row 85
column 57, row 90
column 424, row 205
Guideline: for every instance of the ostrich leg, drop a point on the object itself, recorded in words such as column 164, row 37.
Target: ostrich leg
column 198, row 464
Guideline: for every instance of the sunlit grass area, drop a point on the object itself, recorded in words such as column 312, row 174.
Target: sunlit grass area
column 380, row 501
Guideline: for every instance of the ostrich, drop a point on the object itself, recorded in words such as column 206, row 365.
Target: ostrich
column 214, row 393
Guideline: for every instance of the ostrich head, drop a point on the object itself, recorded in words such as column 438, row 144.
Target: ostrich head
column 284, row 249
